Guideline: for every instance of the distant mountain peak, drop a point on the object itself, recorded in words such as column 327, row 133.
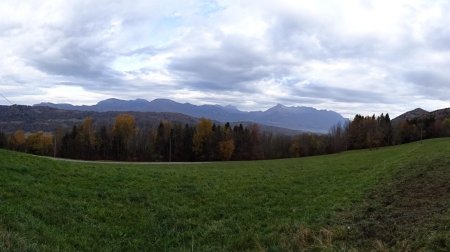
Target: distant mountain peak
column 140, row 100
column 419, row 110
column 292, row 109
column 109, row 101
column 278, row 107
column 162, row 100
column 232, row 108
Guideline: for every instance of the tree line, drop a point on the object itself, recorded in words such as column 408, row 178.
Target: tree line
column 208, row 141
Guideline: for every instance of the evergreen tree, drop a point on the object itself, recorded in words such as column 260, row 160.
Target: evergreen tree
column 3, row 140
column 104, row 144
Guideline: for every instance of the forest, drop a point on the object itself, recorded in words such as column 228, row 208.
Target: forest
column 208, row 141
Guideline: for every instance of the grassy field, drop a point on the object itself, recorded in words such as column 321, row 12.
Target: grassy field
column 395, row 197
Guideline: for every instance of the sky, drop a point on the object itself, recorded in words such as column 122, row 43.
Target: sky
column 367, row 56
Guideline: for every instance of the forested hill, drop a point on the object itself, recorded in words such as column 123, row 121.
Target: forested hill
column 296, row 118
column 48, row 119
column 42, row 118
column 420, row 114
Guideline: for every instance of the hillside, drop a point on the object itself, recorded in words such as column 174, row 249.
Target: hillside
column 390, row 198
column 294, row 118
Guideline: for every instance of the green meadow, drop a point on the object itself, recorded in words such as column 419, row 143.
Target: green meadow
column 389, row 198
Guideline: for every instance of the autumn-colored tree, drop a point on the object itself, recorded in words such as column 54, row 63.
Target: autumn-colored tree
column 226, row 149
column 17, row 140
column 201, row 142
column 225, row 142
column 40, row 143
column 296, row 147
column 124, row 131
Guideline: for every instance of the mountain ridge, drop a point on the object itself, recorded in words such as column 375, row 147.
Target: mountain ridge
column 295, row 118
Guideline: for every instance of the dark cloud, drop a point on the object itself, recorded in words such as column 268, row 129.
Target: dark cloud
column 310, row 37
column 298, row 35
column 74, row 59
column 439, row 39
column 337, row 94
column 429, row 83
column 77, row 50
column 229, row 67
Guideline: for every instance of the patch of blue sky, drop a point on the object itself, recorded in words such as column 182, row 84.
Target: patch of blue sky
column 209, row 7
column 166, row 30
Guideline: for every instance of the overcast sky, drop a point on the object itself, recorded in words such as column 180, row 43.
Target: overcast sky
column 348, row 56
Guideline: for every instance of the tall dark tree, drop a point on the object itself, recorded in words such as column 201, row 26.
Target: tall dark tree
column 69, row 146
column 3, row 140
column 388, row 130
column 356, row 135
column 163, row 142
column 181, row 143
column 104, row 143
column 242, row 140
column 186, row 140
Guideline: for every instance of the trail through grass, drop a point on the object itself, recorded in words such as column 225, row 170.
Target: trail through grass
column 259, row 205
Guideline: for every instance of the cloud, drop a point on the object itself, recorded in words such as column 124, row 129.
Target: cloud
column 430, row 83
column 228, row 67
column 356, row 57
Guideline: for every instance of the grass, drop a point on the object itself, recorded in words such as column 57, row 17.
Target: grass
column 277, row 205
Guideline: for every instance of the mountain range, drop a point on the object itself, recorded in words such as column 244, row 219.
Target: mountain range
column 295, row 118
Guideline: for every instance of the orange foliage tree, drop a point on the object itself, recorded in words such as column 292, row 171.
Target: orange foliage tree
column 201, row 142
column 124, row 132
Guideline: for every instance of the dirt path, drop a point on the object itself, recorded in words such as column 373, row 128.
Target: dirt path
column 123, row 162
